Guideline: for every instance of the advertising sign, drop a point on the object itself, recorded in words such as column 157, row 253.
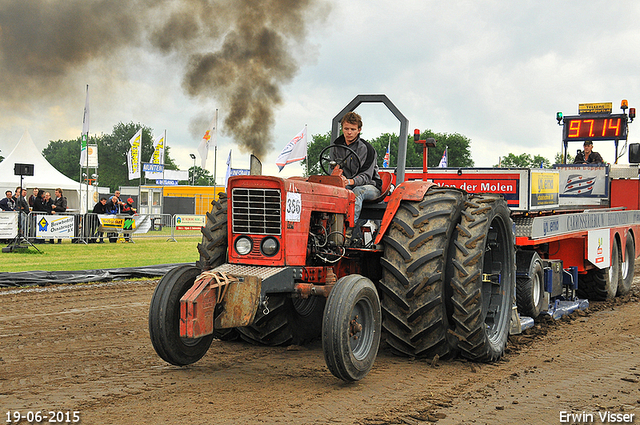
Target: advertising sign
column 583, row 184
column 167, row 182
column 190, row 222
column 152, row 168
column 598, row 248
column 544, row 188
column 8, row 225
column 513, row 184
column 54, row 226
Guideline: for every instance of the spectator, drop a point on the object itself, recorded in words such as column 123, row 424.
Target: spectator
column 38, row 207
column 33, row 197
column 128, row 207
column 99, row 208
column 48, row 206
column 59, row 205
column 112, row 208
column 38, row 202
column 129, row 210
column 7, row 203
column 120, row 203
column 48, row 203
column 23, row 206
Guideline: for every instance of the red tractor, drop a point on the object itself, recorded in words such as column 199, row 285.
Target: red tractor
column 438, row 278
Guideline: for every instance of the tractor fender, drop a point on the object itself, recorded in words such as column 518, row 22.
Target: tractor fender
column 407, row 191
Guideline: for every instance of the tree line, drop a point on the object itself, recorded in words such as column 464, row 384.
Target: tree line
column 64, row 155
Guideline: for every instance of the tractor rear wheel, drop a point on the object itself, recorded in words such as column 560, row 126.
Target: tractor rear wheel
column 601, row 284
column 416, row 250
column 628, row 266
column 289, row 321
column 351, row 328
column 483, row 278
column 213, row 249
column 164, row 319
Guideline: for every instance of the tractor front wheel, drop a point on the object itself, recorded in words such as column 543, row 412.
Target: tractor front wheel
column 351, row 328
column 164, row 319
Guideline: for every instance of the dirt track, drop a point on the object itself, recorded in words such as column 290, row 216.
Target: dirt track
column 86, row 348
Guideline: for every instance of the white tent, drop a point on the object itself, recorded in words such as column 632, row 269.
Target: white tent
column 45, row 176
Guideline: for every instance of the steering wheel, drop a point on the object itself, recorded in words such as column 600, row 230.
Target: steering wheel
column 325, row 159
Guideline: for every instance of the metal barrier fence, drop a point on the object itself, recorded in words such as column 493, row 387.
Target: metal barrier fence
column 38, row 227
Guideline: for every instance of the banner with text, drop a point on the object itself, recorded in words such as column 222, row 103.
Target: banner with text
column 190, row 222
column 54, row 226
column 8, row 225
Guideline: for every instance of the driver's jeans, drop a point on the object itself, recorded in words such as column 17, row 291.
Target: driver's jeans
column 363, row 193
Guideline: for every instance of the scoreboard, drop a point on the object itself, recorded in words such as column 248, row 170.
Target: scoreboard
column 585, row 127
column 595, row 122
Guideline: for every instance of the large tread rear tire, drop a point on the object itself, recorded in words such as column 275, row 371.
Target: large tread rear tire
column 628, row 266
column 164, row 319
column 289, row 322
column 213, row 249
column 483, row 280
column 416, row 250
column 351, row 328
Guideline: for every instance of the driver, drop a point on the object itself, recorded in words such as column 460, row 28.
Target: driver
column 363, row 179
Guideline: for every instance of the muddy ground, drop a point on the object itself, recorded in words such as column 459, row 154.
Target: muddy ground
column 86, row 348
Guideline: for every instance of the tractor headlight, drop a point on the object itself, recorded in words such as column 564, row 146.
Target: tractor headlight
column 243, row 245
column 270, row 246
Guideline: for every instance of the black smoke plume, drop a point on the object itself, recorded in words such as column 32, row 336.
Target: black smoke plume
column 239, row 52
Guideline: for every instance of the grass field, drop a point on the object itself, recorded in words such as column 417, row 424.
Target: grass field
column 67, row 256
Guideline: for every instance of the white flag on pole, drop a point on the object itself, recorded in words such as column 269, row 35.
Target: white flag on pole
column 85, row 132
column 444, row 159
column 205, row 143
column 133, row 155
column 296, row 150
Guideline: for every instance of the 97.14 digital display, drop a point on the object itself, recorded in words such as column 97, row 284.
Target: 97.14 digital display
column 584, row 128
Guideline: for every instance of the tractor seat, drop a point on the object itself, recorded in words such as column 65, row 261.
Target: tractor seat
column 387, row 185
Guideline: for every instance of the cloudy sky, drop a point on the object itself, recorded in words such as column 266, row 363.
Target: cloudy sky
column 494, row 71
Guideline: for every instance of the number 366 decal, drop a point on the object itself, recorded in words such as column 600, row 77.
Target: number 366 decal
column 294, row 206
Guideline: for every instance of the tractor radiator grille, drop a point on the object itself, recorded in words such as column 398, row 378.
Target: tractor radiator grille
column 256, row 211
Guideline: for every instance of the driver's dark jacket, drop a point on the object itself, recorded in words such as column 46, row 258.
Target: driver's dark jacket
column 368, row 171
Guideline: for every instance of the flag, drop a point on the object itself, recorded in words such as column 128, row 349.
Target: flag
column 387, row 156
column 211, row 133
column 133, row 155
column 85, row 132
column 443, row 160
column 226, row 176
column 296, row 150
column 158, row 150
